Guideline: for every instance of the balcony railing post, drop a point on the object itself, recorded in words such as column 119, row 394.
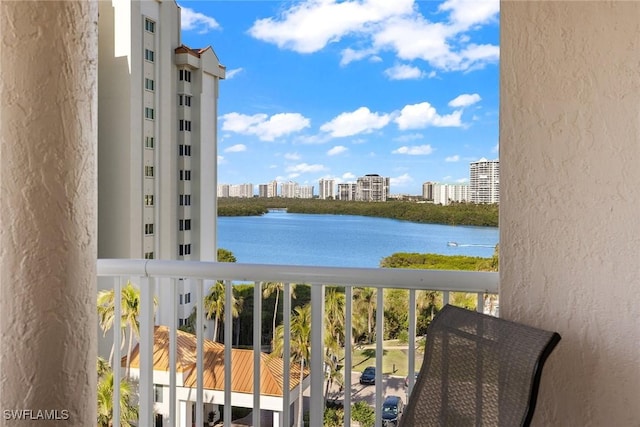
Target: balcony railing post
column 286, row 356
column 379, row 355
column 200, row 294
column 117, row 339
column 146, row 352
column 412, row 341
column 257, row 350
column 316, row 410
column 348, row 338
column 173, row 349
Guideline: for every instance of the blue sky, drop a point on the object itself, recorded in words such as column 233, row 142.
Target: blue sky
column 339, row 89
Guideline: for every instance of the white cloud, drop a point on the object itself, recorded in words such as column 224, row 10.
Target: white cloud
column 403, row 72
column 338, row 149
column 232, row 73
column 421, row 115
column 496, row 148
column 349, row 55
column 192, row 20
column 348, row 176
column 264, row 127
column 464, row 100
column 462, row 180
column 467, row 13
column 292, row 156
column 373, row 26
column 401, row 180
column 361, row 120
column 220, row 159
column 408, row 137
column 309, row 26
column 305, row 168
column 293, row 175
column 454, row 158
column 416, row 150
column 236, row 148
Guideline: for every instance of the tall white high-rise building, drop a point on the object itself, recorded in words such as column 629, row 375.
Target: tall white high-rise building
column 157, row 109
column 445, row 194
column 372, row 188
column 347, row 191
column 484, row 181
column 327, row 188
column 288, row 189
column 305, row 192
column 241, row 190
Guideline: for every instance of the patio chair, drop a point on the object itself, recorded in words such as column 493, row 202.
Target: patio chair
column 478, row 370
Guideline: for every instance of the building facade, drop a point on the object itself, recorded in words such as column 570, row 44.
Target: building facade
column 372, row 188
column 427, row 191
column 445, row 194
column 157, row 109
column 347, row 191
column 484, row 181
column 327, row 189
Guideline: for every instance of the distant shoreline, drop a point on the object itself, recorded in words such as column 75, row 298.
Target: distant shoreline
column 428, row 213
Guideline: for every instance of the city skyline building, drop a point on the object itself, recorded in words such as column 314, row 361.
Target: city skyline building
column 372, row 188
column 484, row 181
column 326, row 188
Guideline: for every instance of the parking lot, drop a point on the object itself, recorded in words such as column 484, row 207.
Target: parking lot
column 392, row 385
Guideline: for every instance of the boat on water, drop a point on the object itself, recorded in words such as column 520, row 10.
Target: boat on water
column 452, row 243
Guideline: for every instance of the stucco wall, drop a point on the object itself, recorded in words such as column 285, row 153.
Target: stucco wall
column 570, row 200
column 48, row 203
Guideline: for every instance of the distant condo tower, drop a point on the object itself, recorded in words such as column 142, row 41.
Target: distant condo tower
column 372, row 188
column 157, row 155
column 327, row 188
column 484, row 181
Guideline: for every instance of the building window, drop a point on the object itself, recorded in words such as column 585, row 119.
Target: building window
column 185, row 175
column 187, row 296
column 149, row 55
column 185, row 200
column 149, row 84
column 184, row 224
column 148, row 142
column 148, row 171
column 148, row 255
column 185, row 75
column 184, row 150
column 149, row 25
column 149, row 113
column 157, row 393
column 184, row 250
column 181, row 301
column 148, row 199
column 184, row 100
column 184, row 125
column 148, row 229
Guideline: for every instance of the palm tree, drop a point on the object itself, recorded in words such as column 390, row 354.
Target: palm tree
column 128, row 412
column 365, row 303
column 300, row 340
column 334, row 332
column 214, row 305
column 129, row 312
column 269, row 289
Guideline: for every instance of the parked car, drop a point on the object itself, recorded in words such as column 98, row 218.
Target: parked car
column 368, row 376
column 392, row 411
column 415, row 378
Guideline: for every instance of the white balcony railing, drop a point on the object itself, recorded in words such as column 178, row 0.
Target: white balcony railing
column 151, row 275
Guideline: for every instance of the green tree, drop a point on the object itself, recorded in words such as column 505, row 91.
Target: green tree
column 365, row 305
column 225, row 255
column 128, row 411
column 300, row 341
column 129, row 311
column 363, row 414
column 214, row 305
column 269, row 289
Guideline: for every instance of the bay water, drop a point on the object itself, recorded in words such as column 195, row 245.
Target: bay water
column 279, row 237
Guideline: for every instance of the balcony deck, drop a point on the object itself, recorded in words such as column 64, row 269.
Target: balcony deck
column 151, row 275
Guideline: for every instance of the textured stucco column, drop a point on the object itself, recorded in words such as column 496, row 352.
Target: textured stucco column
column 570, row 200
column 48, row 137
